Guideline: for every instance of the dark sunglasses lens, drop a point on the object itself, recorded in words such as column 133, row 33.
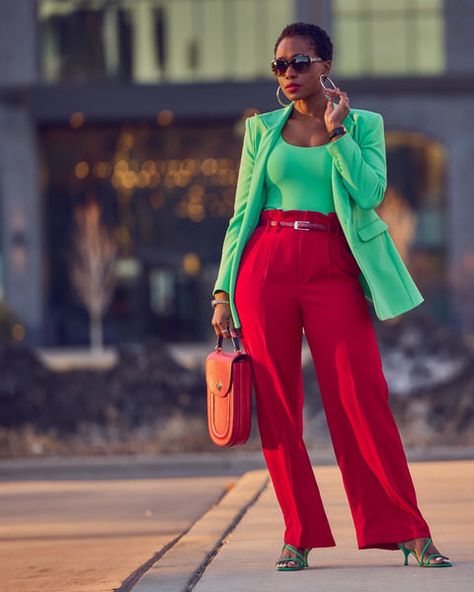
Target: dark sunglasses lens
column 301, row 63
column 279, row 67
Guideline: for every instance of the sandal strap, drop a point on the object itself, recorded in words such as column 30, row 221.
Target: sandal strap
column 427, row 544
column 299, row 558
column 426, row 561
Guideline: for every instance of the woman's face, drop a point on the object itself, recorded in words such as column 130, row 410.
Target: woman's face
column 308, row 83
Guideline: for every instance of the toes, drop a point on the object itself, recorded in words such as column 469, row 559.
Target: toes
column 286, row 564
column 442, row 559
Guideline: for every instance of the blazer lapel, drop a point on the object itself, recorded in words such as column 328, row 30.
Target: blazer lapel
column 274, row 122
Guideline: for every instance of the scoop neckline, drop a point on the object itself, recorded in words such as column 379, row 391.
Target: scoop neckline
column 306, row 147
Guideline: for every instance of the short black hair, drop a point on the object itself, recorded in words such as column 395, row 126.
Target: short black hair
column 318, row 38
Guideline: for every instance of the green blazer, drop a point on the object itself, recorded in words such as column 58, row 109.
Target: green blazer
column 359, row 180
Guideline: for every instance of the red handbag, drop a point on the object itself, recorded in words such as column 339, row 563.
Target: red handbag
column 229, row 394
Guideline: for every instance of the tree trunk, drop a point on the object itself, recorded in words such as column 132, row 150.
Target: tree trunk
column 96, row 334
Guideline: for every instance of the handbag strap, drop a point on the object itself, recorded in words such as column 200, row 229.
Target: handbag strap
column 235, row 343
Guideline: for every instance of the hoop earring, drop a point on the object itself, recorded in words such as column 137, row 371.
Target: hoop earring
column 278, row 98
column 322, row 83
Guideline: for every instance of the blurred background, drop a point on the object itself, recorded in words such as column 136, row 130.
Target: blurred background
column 121, row 126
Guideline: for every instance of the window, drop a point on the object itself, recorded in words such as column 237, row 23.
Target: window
column 386, row 38
column 166, row 194
column 150, row 41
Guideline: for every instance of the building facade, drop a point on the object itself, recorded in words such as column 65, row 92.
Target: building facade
column 138, row 106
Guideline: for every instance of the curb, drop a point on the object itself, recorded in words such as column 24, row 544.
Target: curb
column 181, row 567
column 227, row 462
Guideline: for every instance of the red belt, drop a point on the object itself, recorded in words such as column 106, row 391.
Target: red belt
column 302, row 225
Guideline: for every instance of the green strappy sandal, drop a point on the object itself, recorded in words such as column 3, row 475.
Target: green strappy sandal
column 424, row 562
column 300, row 560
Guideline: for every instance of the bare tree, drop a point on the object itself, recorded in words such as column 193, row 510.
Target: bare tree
column 92, row 271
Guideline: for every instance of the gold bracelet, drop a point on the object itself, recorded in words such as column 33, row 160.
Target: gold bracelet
column 217, row 301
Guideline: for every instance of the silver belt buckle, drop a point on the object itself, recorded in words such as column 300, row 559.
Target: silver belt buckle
column 296, row 225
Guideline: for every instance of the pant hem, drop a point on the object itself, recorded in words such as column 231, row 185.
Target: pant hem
column 390, row 543
column 312, row 545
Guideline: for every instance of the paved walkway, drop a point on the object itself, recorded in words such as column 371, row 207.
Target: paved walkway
column 233, row 547
column 96, row 534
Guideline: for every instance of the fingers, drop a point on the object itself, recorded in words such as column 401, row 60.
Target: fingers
column 343, row 98
column 336, row 91
column 225, row 330
column 235, row 332
column 232, row 331
column 329, row 106
column 228, row 332
column 342, row 108
column 223, row 325
column 221, row 329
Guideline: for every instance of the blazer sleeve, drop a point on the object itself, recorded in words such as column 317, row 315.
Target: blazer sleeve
column 363, row 165
column 244, row 178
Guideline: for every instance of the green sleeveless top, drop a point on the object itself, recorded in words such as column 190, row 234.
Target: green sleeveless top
column 299, row 178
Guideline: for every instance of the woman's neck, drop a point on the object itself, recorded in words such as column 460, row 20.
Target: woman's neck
column 310, row 108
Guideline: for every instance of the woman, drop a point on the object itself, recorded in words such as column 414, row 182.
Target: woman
column 305, row 251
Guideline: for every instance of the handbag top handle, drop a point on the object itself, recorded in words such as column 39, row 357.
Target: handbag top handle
column 235, row 343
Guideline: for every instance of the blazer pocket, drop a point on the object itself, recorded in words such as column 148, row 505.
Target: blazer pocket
column 372, row 229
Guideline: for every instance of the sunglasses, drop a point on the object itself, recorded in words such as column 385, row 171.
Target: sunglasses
column 300, row 62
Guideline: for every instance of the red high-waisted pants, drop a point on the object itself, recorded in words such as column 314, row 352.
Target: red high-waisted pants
column 290, row 280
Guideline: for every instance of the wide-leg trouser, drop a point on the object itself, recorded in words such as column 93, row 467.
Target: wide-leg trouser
column 290, row 280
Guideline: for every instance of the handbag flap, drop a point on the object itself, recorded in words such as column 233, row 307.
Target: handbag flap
column 219, row 367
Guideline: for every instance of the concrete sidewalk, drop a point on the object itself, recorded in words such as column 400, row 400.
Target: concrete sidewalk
column 235, row 545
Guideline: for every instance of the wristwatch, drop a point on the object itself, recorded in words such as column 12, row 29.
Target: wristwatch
column 338, row 131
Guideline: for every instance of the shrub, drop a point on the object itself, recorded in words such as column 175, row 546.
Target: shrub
column 11, row 330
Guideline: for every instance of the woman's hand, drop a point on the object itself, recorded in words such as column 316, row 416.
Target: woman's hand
column 333, row 116
column 222, row 322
